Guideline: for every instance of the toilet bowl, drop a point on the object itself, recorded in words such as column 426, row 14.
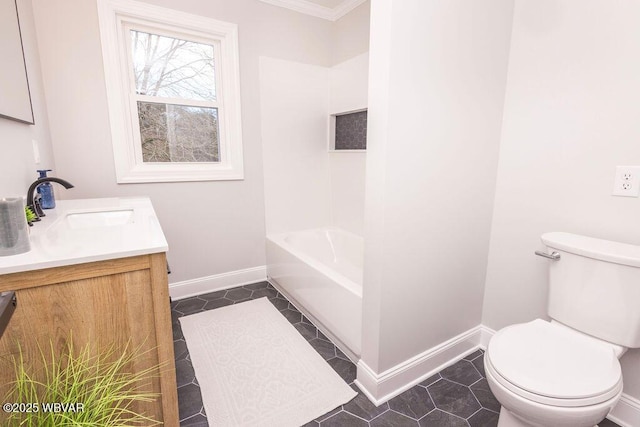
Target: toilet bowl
column 566, row 373
column 545, row 374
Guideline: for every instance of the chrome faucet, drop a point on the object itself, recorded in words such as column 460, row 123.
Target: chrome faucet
column 35, row 206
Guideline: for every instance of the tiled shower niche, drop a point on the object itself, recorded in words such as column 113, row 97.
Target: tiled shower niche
column 350, row 131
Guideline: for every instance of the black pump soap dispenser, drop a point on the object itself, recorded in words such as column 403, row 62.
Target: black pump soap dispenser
column 48, row 200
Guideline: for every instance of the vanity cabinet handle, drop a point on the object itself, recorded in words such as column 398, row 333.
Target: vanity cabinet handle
column 8, row 304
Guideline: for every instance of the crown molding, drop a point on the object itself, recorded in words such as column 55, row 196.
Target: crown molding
column 346, row 7
column 309, row 8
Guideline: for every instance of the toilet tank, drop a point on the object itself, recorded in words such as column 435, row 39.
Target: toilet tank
column 595, row 287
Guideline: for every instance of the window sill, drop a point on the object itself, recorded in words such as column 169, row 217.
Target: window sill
column 347, row 151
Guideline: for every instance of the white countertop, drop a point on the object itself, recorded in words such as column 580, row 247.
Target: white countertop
column 55, row 241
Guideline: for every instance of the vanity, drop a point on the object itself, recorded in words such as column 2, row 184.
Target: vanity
column 96, row 274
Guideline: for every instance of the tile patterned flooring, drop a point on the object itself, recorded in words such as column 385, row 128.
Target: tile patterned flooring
column 457, row 396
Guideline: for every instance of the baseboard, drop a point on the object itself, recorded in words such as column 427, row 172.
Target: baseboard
column 379, row 388
column 627, row 412
column 485, row 335
column 217, row 282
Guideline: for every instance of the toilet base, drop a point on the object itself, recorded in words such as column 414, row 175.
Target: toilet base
column 509, row 419
column 516, row 411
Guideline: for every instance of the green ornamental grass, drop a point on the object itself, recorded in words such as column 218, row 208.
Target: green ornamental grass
column 102, row 383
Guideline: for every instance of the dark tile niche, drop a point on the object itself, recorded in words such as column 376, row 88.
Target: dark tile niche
column 351, row 131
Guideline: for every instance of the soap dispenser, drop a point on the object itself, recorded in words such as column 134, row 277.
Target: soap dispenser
column 46, row 191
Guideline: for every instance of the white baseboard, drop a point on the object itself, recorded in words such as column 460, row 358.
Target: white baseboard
column 381, row 387
column 217, row 282
column 627, row 412
column 485, row 335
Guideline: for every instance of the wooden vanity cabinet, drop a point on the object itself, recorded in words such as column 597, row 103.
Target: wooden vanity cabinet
column 122, row 302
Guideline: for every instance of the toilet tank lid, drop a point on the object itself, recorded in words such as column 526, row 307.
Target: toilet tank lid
column 605, row 250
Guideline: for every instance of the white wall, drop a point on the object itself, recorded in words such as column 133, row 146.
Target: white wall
column 305, row 186
column 347, row 175
column 571, row 115
column 348, row 86
column 212, row 227
column 17, row 163
column 294, row 99
column 350, row 34
column 436, row 91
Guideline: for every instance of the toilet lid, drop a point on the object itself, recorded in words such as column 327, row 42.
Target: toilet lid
column 552, row 361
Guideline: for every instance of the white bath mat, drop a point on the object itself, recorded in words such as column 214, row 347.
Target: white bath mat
column 255, row 369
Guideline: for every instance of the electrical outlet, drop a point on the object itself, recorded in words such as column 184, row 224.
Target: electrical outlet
column 627, row 181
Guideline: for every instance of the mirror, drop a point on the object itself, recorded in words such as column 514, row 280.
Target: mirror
column 15, row 99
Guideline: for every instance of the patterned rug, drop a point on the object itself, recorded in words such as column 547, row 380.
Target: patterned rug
column 255, row 369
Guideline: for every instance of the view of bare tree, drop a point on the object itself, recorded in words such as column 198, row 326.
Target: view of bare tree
column 176, row 72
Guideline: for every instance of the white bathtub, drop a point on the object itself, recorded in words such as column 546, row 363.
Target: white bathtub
column 320, row 271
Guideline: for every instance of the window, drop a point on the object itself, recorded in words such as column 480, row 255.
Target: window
column 173, row 90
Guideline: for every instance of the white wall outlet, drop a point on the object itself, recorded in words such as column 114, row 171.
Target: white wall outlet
column 627, row 181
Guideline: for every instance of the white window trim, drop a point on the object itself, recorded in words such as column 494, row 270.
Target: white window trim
column 115, row 16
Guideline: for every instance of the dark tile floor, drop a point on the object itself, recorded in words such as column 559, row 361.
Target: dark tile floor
column 457, row 396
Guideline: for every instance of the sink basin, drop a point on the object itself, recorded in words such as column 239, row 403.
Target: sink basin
column 99, row 219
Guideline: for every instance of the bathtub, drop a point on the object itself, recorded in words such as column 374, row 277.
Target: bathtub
column 320, row 272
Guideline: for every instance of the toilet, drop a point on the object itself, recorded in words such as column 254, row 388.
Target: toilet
column 566, row 372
